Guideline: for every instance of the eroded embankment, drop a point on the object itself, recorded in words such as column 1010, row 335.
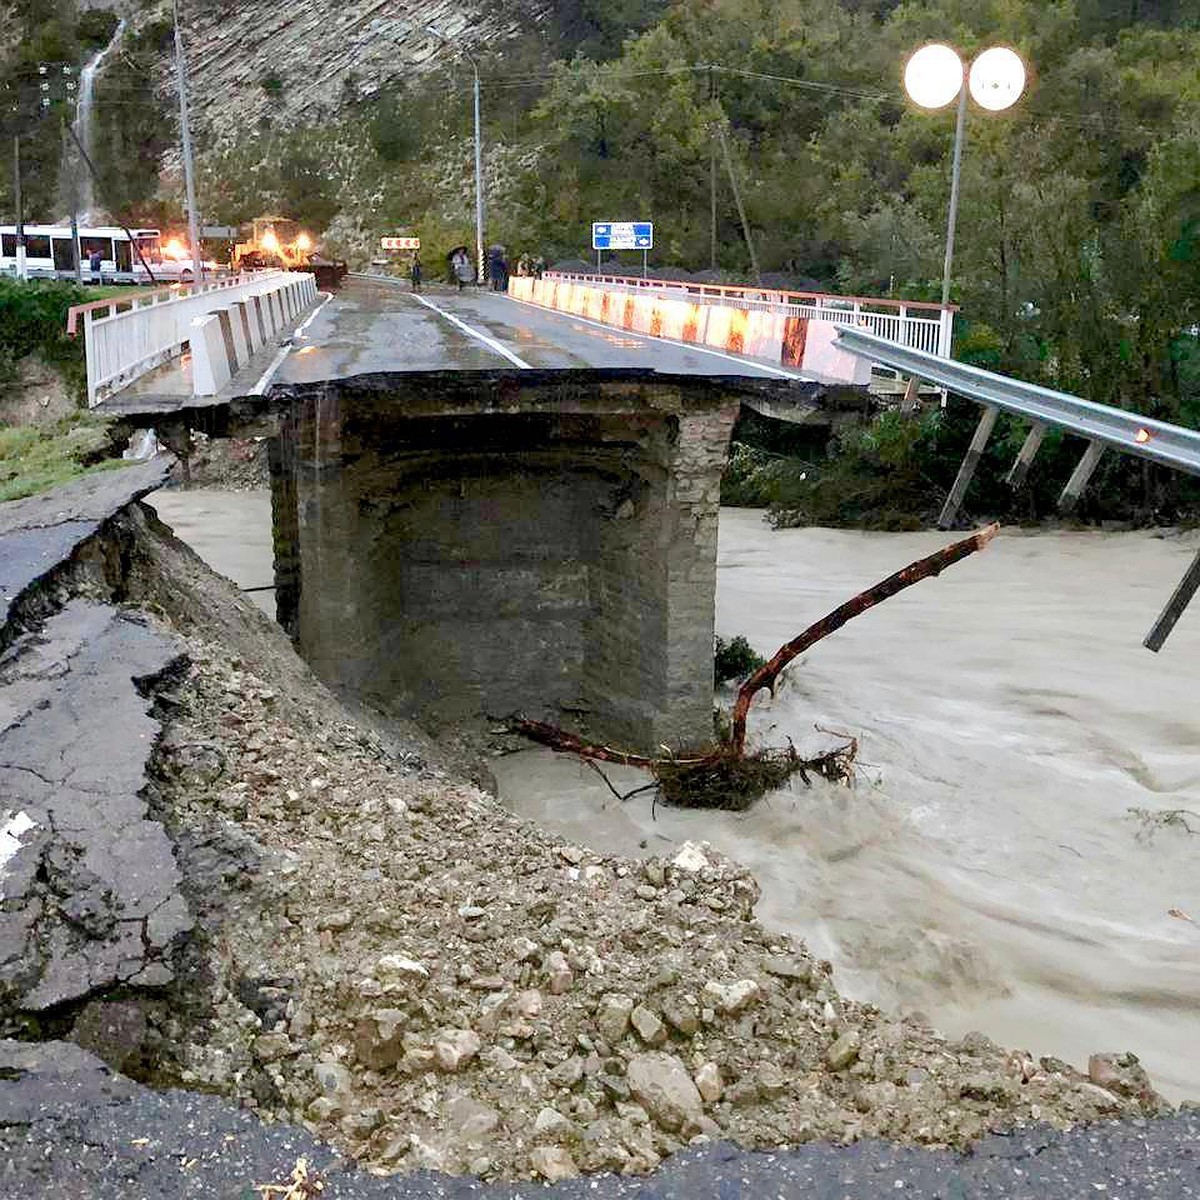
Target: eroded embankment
column 372, row 948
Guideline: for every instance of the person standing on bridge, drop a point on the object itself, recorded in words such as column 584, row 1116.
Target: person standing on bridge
column 461, row 268
column 414, row 273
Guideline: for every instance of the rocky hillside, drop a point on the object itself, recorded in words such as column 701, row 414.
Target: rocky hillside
column 251, row 59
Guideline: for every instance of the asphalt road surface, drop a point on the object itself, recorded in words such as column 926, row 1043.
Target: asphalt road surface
column 379, row 325
column 71, row 1130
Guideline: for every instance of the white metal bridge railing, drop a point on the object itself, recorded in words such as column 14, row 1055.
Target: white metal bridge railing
column 922, row 325
column 126, row 336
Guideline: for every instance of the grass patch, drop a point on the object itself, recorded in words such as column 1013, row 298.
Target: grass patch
column 110, row 291
column 34, row 458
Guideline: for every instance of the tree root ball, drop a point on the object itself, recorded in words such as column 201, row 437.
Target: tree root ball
column 732, row 782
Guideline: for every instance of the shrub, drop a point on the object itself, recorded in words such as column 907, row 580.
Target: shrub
column 33, row 320
column 734, row 659
column 95, row 27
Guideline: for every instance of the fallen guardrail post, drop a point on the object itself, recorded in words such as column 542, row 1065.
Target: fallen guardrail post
column 1182, row 597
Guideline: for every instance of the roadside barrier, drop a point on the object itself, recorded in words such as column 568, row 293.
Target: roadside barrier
column 791, row 329
column 223, row 324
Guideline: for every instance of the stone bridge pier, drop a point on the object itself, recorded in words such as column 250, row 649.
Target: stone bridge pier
column 451, row 546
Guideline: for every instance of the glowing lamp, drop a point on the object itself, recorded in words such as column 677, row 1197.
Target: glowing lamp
column 933, row 76
column 304, row 243
column 997, row 79
column 1142, row 436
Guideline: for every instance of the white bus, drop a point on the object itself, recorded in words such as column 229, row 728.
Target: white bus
column 49, row 254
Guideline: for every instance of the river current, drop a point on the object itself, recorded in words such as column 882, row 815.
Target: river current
column 990, row 868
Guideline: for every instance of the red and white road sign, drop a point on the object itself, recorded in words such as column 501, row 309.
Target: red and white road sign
column 401, row 243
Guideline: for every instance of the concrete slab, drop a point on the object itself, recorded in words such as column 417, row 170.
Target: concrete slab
column 90, row 888
column 40, row 532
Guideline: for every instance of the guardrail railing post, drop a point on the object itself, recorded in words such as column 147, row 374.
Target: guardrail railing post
column 89, row 358
column 983, row 431
column 1188, row 586
column 1033, row 441
column 1080, row 477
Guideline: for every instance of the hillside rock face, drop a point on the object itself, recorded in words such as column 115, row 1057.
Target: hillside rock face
column 253, row 58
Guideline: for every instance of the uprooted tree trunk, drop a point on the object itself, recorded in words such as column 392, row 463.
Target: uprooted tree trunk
column 725, row 776
column 923, row 568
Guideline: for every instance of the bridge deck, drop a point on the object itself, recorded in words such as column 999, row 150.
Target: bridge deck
column 378, row 325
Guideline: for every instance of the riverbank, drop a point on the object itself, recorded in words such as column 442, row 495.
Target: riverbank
column 390, row 957
column 893, row 472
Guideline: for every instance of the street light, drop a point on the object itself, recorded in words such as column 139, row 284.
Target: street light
column 933, row 77
column 478, row 155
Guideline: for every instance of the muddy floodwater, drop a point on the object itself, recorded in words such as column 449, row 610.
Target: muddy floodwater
column 987, row 869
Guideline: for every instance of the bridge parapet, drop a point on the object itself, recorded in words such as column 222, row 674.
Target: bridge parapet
column 793, row 329
column 222, row 322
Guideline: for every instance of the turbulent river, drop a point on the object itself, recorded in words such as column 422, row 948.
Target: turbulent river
column 987, row 869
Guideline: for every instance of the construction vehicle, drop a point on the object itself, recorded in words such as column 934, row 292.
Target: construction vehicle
column 280, row 242
column 273, row 242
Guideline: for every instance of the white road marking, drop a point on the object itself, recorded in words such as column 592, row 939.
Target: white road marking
column 265, row 380
column 483, row 337
column 745, row 362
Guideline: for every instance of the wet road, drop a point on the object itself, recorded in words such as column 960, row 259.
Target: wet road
column 377, row 325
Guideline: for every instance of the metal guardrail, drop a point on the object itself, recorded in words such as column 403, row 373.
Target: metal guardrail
column 1130, row 432
column 891, row 319
column 1171, row 445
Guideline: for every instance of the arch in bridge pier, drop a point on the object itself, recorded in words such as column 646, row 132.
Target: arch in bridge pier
column 546, row 547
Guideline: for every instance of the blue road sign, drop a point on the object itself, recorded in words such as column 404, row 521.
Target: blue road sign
column 623, row 235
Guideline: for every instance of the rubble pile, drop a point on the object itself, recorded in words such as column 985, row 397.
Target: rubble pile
column 428, row 982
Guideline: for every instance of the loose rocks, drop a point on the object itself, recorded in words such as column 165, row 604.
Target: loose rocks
column 661, row 1084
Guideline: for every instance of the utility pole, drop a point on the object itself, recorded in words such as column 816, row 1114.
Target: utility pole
column 956, row 173
column 76, row 251
column 712, row 171
column 478, row 176
column 22, row 271
column 737, row 196
column 189, row 173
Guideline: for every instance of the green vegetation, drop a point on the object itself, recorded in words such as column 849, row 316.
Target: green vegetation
column 35, row 458
column 33, row 320
column 895, row 472
column 734, row 659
